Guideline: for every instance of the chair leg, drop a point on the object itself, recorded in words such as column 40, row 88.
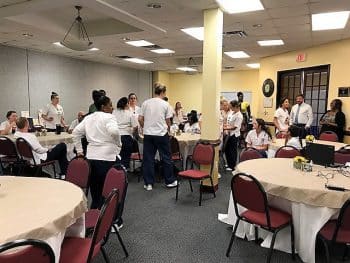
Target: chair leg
column 256, row 233
column 345, row 252
column 326, row 249
column 54, row 172
column 212, row 185
column 121, row 241
column 200, row 193
column 268, row 260
column 232, row 238
column 104, row 254
column 292, row 240
column 190, row 182
column 37, row 171
column 177, row 189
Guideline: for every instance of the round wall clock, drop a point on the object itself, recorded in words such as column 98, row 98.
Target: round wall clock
column 268, row 87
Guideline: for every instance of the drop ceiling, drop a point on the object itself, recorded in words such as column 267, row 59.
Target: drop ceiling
column 36, row 24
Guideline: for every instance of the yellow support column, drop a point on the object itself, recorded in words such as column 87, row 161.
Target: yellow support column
column 212, row 57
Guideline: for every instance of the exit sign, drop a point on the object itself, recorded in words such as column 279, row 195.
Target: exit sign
column 301, row 57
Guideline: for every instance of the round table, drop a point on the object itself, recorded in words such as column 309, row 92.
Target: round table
column 51, row 138
column 281, row 142
column 187, row 141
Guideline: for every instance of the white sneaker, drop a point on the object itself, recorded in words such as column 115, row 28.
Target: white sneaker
column 219, row 176
column 148, row 187
column 228, row 169
column 173, row 184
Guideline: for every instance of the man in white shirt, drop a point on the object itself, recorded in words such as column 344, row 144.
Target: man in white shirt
column 154, row 118
column 59, row 152
column 301, row 115
column 9, row 126
column 76, row 121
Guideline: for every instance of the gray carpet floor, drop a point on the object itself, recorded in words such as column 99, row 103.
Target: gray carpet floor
column 158, row 229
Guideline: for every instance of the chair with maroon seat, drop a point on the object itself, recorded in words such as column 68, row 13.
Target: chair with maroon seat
column 136, row 156
column 115, row 179
column 328, row 136
column 342, row 156
column 78, row 173
column 281, row 135
column 83, row 250
column 249, row 154
column 287, row 152
column 8, row 154
column 176, row 155
column 25, row 152
column 26, row 251
column 203, row 154
column 336, row 231
column 250, row 194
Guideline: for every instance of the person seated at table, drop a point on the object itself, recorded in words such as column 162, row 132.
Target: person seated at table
column 334, row 120
column 76, row 121
column 260, row 137
column 53, row 114
column 9, row 126
column 58, row 152
column 192, row 126
column 178, row 114
column 293, row 138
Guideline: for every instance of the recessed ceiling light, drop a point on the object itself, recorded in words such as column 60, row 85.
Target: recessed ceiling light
column 27, row 35
column 326, row 21
column 138, row 60
column 254, row 65
column 162, row 51
column 94, row 49
column 125, row 39
column 187, row 69
column 237, row 54
column 196, row 32
column 154, row 5
column 139, row 43
column 257, row 25
column 276, row 42
column 58, row 44
column 242, row 6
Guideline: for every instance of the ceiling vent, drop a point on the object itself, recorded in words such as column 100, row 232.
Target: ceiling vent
column 236, row 33
column 122, row 57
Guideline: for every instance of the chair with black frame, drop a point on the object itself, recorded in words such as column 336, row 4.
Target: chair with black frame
column 176, row 155
column 336, row 231
column 203, row 154
column 78, row 173
column 9, row 154
column 250, row 194
column 342, row 156
column 26, row 251
column 116, row 178
column 287, row 152
column 249, row 153
column 84, row 250
column 328, row 136
column 25, row 152
column 136, row 156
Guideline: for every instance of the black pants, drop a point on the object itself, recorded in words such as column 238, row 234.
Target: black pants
column 59, row 153
column 126, row 150
column 99, row 169
column 231, row 151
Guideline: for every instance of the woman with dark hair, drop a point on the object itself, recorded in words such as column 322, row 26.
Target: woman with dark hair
column 292, row 138
column 281, row 117
column 102, row 133
column 96, row 94
column 127, row 124
column 53, row 114
column 334, row 119
column 192, row 126
column 133, row 104
column 260, row 137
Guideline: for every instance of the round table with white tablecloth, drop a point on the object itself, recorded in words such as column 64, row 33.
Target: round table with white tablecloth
column 187, row 141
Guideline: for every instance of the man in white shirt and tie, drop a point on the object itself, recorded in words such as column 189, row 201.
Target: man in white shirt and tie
column 301, row 115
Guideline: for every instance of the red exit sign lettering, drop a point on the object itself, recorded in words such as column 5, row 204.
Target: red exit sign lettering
column 301, row 57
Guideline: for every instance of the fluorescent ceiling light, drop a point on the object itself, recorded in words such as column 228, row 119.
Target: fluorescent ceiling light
column 94, row 49
column 276, row 42
column 237, row 54
column 139, row 43
column 326, row 21
column 186, row 69
column 58, row 44
column 138, row 60
column 196, row 32
column 240, row 6
column 162, row 51
column 254, row 65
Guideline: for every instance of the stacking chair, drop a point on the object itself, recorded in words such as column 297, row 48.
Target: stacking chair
column 250, row 194
column 26, row 154
column 176, row 155
column 78, row 173
column 203, row 154
column 337, row 230
column 281, row 135
column 328, row 136
column 287, row 152
column 249, row 154
column 115, row 179
column 342, row 156
column 136, row 156
column 84, row 250
column 26, row 251
column 8, row 154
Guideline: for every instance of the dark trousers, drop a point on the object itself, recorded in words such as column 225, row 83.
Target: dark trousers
column 59, row 153
column 126, row 150
column 99, row 171
column 151, row 144
column 231, row 151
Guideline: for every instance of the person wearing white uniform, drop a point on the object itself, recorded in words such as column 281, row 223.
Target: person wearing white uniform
column 155, row 119
column 102, row 133
column 281, row 117
column 292, row 138
column 9, row 126
column 178, row 114
column 76, row 121
column 259, row 138
column 301, row 115
column 53, row 113
column 127, row 125
column 133, row 105
column 192, row 126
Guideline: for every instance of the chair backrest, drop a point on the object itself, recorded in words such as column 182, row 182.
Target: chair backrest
column 343, row 221
column 281, row 135
column 135, row 147
column 249, row 193
column 249, row 154
column 287, row 152
column 24, row 149
column 78, row 172
column 104, row 221
column 203, row 153
column 328, row 136
column 174, row 145
column 116, row 178
column 7, row 147
column 341, row 157
column 26, row 251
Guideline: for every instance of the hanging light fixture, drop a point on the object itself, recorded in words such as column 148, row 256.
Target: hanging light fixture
column 79, row 41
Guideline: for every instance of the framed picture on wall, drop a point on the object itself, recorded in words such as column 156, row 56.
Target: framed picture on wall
column 268, row 102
